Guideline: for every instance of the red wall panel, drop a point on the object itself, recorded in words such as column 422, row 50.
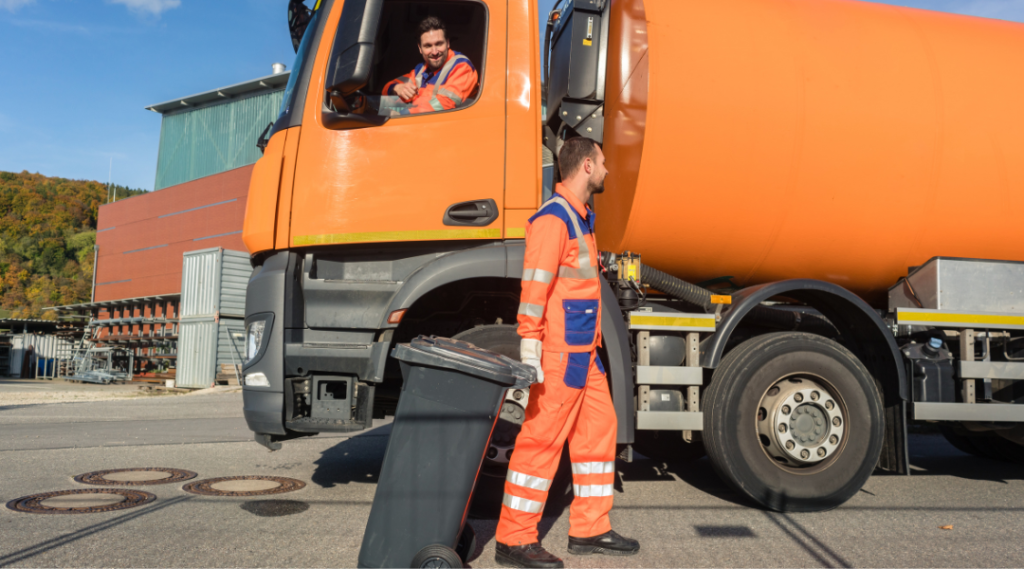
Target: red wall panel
column 142, row 222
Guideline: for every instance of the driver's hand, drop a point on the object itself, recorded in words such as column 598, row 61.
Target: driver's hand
column 407, row 91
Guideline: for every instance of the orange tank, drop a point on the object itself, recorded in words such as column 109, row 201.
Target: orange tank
column 827, row 139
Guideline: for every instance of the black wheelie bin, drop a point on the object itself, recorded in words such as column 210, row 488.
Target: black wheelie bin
column 450, row 401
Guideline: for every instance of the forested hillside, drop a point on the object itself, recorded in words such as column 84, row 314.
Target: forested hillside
column 47, row 233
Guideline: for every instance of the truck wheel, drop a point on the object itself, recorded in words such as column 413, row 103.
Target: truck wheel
column 793, row 421
column 490, row 485
column 436, row 557
column 503, row 339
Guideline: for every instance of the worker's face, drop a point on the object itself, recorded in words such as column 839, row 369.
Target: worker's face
column 595, row 183
column 434, row 49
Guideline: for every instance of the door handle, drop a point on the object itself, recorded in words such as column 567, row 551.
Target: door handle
column 476, row 213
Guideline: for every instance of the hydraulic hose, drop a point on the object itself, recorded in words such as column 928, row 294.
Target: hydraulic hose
column 677, row 288
column 760, row 315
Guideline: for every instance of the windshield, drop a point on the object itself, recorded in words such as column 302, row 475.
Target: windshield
column 300, row 58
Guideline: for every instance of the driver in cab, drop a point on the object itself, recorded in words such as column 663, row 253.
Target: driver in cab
column 445, row 80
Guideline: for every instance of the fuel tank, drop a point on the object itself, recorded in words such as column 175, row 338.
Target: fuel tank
column 831, row 139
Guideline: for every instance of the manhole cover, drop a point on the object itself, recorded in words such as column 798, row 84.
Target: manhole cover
column 244, row 486
column 91, row 501
column 135, row 476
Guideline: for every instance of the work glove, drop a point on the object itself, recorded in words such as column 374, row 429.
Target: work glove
column 529, row 354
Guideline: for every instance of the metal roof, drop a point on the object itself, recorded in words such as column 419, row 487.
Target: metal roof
column 19, row 325
column 277, row 81
column 108, row 303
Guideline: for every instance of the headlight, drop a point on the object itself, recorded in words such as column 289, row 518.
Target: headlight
column 254, row 339
column 257, row 334
column 257, row 380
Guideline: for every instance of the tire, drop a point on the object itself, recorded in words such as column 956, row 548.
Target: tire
column 436, row 556
column 490, row 484
column 667, row 446
column 740, row 431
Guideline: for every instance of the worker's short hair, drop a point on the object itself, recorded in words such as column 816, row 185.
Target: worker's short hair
column 429, row 24
column 574, row 151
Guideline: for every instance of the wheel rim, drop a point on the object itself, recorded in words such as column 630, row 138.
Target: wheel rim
column 503, row 440
column 802, row 423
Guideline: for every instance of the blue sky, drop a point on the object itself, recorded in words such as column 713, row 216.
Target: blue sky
column 77, row 73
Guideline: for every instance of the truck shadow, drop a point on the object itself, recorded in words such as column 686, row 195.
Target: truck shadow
column 932, row 455
column 696, row 473
column 355, row 459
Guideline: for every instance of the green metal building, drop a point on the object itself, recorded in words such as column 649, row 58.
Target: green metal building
column 216, row 131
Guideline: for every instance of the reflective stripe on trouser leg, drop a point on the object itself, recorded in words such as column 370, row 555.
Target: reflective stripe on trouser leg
column 522, row 504
column 592, row 449
column 550, row 415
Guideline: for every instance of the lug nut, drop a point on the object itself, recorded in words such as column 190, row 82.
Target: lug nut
column 821, row 452
column 799, row 397
column 815, row 395
column 805, row 454
column 785, row 409
column 518, row 394
column 782, row 428
column 829, row 405
column 789, row 445
column 836, row 421
column 833, row 439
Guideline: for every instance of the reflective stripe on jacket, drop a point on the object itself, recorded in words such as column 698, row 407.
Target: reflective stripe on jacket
column 448, row 88
column 561, row 299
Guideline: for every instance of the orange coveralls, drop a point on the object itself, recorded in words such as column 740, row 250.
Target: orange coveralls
column 447, row 88
column 561, row 306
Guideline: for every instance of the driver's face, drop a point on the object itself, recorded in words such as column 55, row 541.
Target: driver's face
column 434, row 49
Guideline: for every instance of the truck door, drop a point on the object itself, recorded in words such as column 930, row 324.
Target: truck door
column 370, row 170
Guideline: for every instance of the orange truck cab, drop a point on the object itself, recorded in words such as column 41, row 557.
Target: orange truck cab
column 793, row 157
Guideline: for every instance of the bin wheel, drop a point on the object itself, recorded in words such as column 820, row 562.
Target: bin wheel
column 467, row 542
column 793, row 421
column 436, row 557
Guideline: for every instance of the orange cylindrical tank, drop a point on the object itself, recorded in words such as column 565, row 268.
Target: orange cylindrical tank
column 828, row 139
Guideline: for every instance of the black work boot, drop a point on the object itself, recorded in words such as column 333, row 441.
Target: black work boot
column 609, row 543
column 532, row 555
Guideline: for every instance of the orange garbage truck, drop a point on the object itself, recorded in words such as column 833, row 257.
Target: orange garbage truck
column 810, row 237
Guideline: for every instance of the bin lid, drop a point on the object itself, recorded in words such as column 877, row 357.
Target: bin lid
column 464, row 357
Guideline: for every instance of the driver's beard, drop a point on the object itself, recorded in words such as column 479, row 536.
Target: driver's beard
column 595, row 188
column 444, row 58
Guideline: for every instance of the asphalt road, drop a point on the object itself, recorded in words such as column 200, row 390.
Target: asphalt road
column 682, row 514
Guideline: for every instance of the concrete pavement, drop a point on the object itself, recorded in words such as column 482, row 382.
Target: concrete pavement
column 683, row 515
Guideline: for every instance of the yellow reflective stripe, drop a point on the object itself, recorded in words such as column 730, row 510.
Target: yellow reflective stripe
column 674, row 321
column 386, row 236
column 534, row 310
column 538, row 275
column 527, row 481
column 515, row 233
column 522, row 504
column 592, row 490
column 962, row 319
column 593, row 467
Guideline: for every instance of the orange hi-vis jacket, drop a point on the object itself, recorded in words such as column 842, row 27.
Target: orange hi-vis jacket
column 447, row 88
column 561, row 298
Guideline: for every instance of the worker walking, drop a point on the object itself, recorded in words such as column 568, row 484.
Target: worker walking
column 560, row 326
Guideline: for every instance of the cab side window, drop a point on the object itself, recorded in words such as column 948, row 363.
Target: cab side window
column 427, row 57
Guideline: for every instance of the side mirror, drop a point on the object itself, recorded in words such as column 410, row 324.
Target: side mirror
column 352, row 54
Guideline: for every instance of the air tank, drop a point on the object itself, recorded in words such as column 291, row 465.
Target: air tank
column 830, row 139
